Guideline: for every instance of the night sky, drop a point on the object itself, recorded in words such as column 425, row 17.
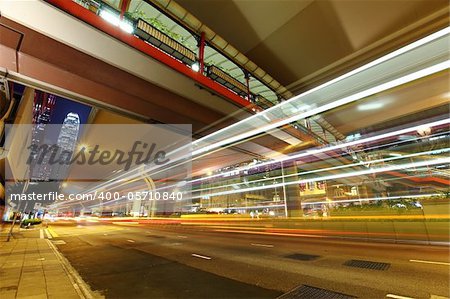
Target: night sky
column 64, row 106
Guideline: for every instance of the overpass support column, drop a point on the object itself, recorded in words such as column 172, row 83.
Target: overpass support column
column 201, row 52
column 291, row 191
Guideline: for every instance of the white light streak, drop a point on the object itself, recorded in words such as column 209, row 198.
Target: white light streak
column 378, row 61
column 334, row 147
column 336, row 176
column 327, row 169
column 346, row 100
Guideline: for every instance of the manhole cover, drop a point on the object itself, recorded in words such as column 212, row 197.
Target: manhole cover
column 309, row 292
column 367, row 265
column 302, row 257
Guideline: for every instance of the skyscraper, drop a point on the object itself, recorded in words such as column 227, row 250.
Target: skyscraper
column 43, row 107
column 67, row 141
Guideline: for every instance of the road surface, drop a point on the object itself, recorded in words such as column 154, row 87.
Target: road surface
column 126, row 260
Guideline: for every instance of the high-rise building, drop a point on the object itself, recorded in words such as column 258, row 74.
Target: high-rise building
column 43, row 108
column 67, row 141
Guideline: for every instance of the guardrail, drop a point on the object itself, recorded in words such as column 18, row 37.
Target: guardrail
column 164, row 42
column 226, row 80
column 263, row 102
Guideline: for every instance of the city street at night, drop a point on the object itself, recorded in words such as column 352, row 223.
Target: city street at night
column 177, row 260
column 203, row 149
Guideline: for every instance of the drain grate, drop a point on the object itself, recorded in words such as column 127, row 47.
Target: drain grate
column 308, row 292
column 302, row 257
column 367, row 265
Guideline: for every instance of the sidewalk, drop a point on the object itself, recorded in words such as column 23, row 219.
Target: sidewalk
column 31, row 267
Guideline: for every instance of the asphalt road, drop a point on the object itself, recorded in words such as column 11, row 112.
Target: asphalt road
column 182, row 261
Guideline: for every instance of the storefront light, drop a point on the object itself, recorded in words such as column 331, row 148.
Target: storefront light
column 110, row 17
column 114, row 19
column 195, row 67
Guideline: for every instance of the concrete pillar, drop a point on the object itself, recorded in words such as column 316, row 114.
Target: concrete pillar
column 136, row 207
column 292, row 191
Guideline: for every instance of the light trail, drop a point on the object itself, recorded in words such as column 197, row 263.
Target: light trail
column 359, row 95
column 224, row 174
column 430, row 262
column 332, row 148
column 335, row 201
column 325, row 169
column 303, row 173
column 332, row 177
column 343, row 101
column 403, row 50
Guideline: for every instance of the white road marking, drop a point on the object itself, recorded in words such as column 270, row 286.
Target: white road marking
column 397, row 296
column 262, row 245
column 59, row 242
column 41, row 233
column 49, row 236
column 184, row 237
column 201, row 256
column 131, row 241
column 437, row 297
column 430, row 262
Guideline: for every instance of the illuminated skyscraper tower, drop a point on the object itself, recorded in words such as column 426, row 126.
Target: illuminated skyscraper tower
column 67, row 141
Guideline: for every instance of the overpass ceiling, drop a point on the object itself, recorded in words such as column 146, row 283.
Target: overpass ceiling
column 291, row 39
column 320, row 29
column 383, row 109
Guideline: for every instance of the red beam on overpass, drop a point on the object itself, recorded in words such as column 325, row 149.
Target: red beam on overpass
column 420, row 179
column 96, row 21
column 201, row 53
column 124, row 4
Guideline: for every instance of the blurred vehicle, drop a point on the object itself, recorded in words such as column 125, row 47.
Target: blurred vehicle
column 399, row 206
column 417, row 205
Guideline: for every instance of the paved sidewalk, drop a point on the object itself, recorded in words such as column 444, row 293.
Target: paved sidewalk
column 31, row 267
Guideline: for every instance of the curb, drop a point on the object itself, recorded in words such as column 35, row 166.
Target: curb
column 81, row 287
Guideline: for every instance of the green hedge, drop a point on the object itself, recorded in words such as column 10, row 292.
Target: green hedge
column 34, row 221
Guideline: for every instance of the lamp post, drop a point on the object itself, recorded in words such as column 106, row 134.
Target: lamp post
column 25, row 187
column 150, row 186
